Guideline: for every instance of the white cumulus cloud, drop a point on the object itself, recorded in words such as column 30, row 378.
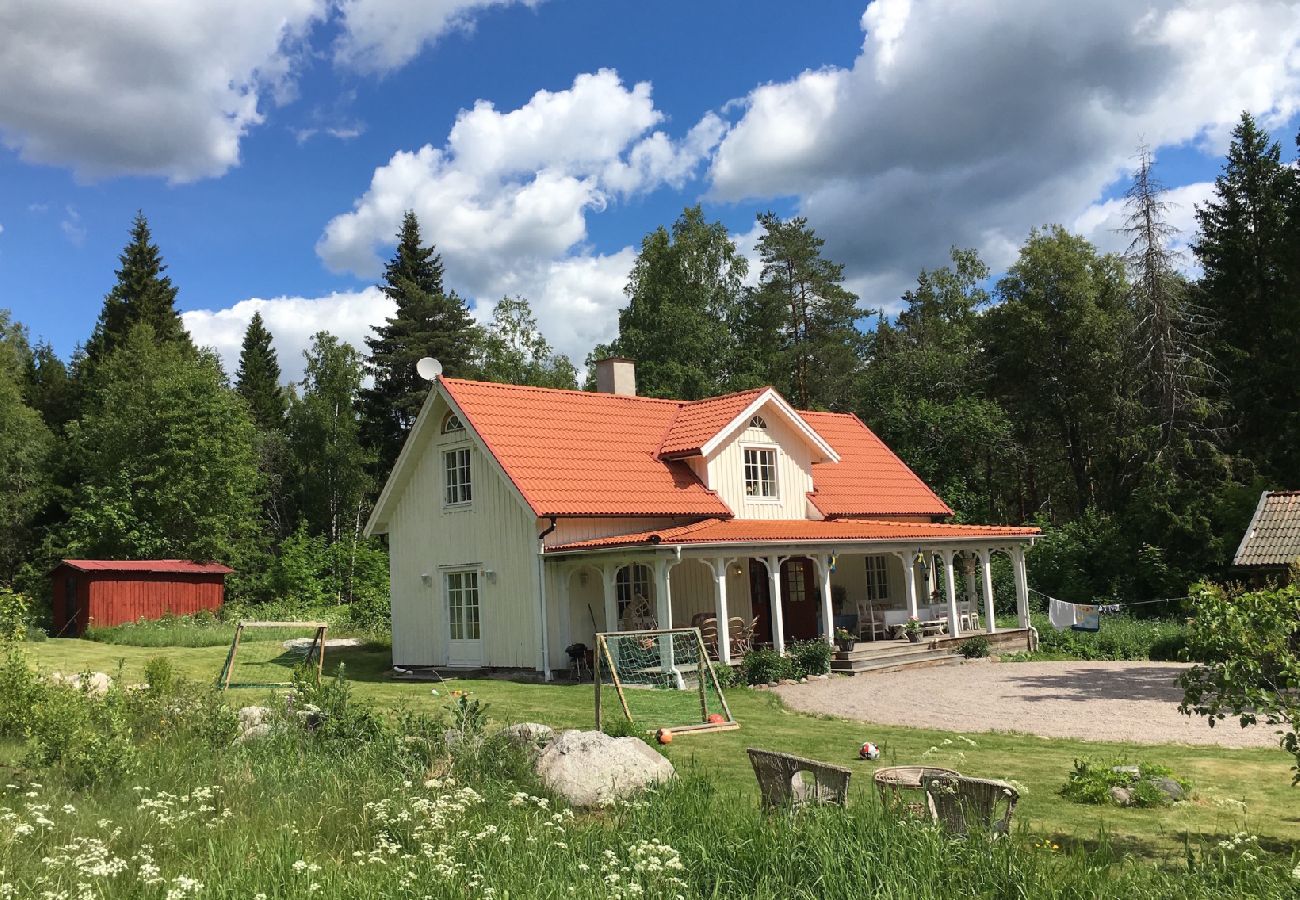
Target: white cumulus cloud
column 506, row 200
column 349, row 315
column 147, row 87
column 380, row 35
column 968, row 124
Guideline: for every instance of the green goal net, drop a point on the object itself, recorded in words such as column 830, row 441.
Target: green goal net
column 264, row 662
column 659, row 680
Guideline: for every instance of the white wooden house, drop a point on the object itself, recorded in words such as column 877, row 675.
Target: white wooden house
column 522, row 520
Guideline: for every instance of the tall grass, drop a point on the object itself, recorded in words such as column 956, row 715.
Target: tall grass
column 203, row 630
column 1121, row 637
column 360, row 807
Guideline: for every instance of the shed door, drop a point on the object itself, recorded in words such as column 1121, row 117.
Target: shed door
column 464, row 637
column 71, row 607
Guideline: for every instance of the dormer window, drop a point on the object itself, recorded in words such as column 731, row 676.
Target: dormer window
column 452, row 424
column 760, row 473
column 758, row 422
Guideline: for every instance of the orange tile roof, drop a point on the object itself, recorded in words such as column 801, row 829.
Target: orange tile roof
column 700, row 420
column 156, row 566
column 779, row 531
column 575, row 453
column 869, row 480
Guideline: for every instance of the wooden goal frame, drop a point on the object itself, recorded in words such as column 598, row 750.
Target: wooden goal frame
column 317, row 646
column 603, row 657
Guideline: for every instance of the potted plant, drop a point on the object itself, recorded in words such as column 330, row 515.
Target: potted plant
column 844, row 639
column 912, row 629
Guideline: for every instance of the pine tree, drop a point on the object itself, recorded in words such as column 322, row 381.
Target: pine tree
column 49, row 387
column 1241, row 248
column 429, row 322
column 818, row 350
column 258, row 377
column 143, row 294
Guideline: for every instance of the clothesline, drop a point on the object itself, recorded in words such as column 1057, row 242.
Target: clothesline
column 1106, row 606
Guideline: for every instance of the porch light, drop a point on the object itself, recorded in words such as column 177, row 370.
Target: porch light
column 737, row 570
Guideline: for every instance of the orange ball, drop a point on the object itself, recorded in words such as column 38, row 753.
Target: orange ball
column 664, row 736
column 717, row 718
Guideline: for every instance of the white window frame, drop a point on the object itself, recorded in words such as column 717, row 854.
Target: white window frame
column 627, row 580
column 451, row 424
column 471, row 575
column 775, row 496
column 460, row 494
column 877, row 578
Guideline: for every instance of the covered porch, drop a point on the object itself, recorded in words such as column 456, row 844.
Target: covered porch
column 745, row 595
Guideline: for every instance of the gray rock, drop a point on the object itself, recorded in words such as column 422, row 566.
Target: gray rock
column 1132, row 771
column 590, row 768
column 1122, row 796
column 1170, row 788
column 529, row 734
column 255, row 733
column 96, row 683
column 251, row 716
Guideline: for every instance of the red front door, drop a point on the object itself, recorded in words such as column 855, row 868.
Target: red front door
column 760, row 599
column 799, row 599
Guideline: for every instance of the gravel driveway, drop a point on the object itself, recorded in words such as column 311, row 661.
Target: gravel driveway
column 1098, row 701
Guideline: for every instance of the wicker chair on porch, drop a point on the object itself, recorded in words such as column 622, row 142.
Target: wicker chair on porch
column 709, row 634
column 962, row 805
column 741, row 634
column 785, row 780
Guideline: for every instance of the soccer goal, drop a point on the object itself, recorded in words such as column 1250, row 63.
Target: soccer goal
column 660, row 679
column 277, row 648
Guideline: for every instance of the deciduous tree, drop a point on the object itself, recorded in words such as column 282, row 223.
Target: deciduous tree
column 514, row 350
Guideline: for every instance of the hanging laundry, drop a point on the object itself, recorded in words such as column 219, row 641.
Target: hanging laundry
column 1074, row 616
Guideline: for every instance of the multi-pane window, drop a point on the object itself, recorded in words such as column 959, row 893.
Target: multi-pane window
column 877, row 578
column 456, row 479
column 633, row 588
column 796, row 581
column 452, row 423
column 462, row 605
column 758, row 422
column 760, row 472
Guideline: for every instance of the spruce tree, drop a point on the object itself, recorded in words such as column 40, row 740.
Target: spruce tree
column 1241, row 249
column 143, row 295
column 429, row 322
column 258, row 377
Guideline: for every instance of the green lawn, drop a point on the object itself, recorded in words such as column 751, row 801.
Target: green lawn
column 1223, row 780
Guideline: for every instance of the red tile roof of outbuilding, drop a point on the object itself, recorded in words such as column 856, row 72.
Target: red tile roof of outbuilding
column 158, row 566
column 576, row 453
column 803, row 531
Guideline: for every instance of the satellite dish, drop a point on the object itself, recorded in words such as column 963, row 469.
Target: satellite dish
column 429, row 368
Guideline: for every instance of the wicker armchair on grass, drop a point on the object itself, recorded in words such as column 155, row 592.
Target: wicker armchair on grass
column 962, row 805
column 786, row 780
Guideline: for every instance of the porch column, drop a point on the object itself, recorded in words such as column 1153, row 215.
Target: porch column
column 950, row 587
column 990, row 624
column 778, row 614
column 664, row 615
column 608, row 580
column 968, row 566
column 909, row 582
column 828, row 617
column 719, row 567
column 1022, row 585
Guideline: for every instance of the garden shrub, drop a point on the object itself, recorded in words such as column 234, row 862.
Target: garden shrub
column 21, row 688
column 1121, row 637
column 974, row 648
column 811, row 657
column 330, row 710
column 1092, row 782
column 766, row 665
column 86, row 735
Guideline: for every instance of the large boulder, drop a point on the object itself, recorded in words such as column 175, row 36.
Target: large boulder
column 529, row 735
column 96, row 683
column 590, row 768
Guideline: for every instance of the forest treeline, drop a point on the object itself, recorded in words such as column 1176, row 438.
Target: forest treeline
column 1131, row 410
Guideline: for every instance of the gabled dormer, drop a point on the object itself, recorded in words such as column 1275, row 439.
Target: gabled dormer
column 753, row 449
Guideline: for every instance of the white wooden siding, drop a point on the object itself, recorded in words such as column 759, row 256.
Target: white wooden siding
column 494, row 533
column 568, row 531
column 726, row 472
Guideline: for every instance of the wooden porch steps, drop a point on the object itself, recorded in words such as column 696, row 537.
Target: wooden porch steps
column 890, row 657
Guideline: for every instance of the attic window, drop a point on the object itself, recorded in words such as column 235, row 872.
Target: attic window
column 760, row 473
column 452, row 423
column 757, row 422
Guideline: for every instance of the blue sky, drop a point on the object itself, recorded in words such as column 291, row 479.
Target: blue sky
column 274, row 143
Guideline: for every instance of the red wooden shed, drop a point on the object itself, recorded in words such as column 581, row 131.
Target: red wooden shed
column 107, row 592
